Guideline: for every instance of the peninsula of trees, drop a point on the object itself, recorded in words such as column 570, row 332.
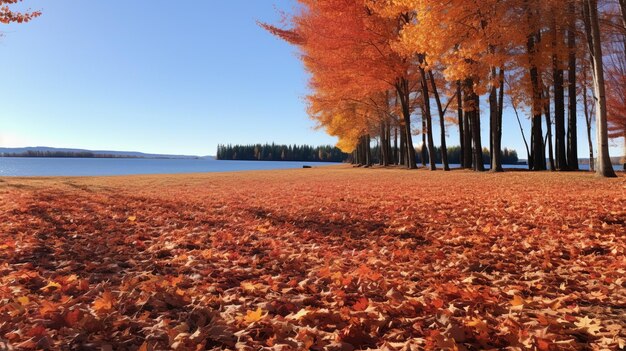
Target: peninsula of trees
column 274, row 152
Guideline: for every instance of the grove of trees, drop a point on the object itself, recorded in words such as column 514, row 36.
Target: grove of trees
column 377, row 66
column 274, row 152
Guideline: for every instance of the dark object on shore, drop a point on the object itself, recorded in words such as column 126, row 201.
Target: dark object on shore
column 305, row 166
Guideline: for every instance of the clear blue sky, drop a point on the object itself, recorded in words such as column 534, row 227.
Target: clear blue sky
column 160, row 76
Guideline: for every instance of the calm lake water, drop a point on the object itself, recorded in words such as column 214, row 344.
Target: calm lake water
column 31, row 166
column 38, row 167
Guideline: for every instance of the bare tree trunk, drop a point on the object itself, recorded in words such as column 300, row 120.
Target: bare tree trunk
column 473, row 110
column 493, row 112
column 390, row 159
column 467, row 128
column 368, row 148
column 538, row 149
column 442, row 123
column 559, row 102
column 429, row 120
column 572, row 137
column 588, row 118
column 382, row 159
column 496, row 103
column 604, row 168
column 396, row 156
column 424, row 149
column 403, row 145
column 404, row 94
column 478, row 149
column 546, row 110
column 459, row 111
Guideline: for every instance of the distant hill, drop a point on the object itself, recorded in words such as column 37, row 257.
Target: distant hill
column 4, row 151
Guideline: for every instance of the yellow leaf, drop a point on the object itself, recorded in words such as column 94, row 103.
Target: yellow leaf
column 517, row 301
column 23, row 300
column 478, row 323
column 253, row 316
column 52, row 285
column 132, row 218
column 301, row 314
column 250, row 287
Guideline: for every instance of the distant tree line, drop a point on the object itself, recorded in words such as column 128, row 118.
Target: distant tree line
column 274, row 152
column 509, row 157
column 62, row 154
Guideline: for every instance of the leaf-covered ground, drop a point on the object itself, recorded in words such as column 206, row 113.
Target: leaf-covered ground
column 320, row 259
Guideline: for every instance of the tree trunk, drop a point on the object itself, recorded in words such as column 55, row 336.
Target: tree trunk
column 588, row 118
column 572, row 137
column 402, row 145
column 382, row 151
column 493, row 111
column 404, row 94
column 426, row 113
column 496, row 157
column 604, row 168
column 546, row 110
column 396, row 155
column 536, row 143
column 388, row 144
column 459, row 111
column 442, row 123
column 473, row 110
column 559, row 103
column 424, row 149
column 495, row 117
column 479, row 163
column 368, row 150
column 467, row 129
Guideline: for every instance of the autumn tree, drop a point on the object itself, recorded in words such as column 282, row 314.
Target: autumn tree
column 374, row 63
column 604, row 167
column 7, row 15
column 347, row 48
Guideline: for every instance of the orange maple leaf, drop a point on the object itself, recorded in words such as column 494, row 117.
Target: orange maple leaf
column 253, row 316
column 361, row 305
column 104, row 303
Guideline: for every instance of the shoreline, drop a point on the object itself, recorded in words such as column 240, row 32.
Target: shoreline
column 331, row 166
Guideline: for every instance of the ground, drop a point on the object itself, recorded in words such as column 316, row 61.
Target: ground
column 322, row 259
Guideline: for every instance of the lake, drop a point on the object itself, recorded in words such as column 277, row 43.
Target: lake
column 48, row 166
column 32, row 166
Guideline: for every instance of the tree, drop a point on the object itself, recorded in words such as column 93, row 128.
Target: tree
column 346, row 46
column 373, row 63
column 604, row 168
column 9, row 16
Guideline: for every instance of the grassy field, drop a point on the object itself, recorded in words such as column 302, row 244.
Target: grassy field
column 322, row 259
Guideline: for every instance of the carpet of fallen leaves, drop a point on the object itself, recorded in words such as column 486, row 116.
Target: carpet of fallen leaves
column 318, row 259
